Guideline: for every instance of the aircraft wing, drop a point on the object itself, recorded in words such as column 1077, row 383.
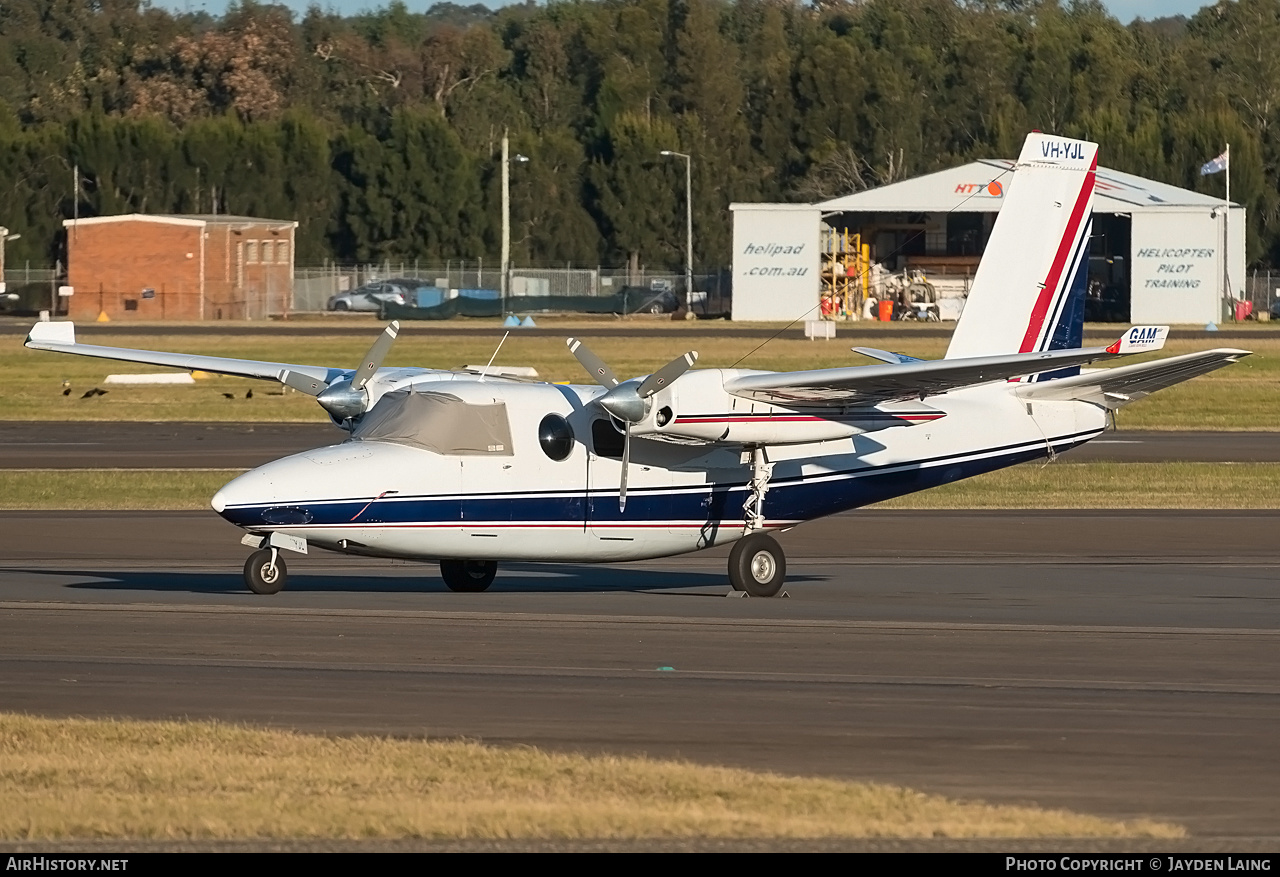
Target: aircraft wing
column 1114, row 387
column 895, row 382
column 60, row 337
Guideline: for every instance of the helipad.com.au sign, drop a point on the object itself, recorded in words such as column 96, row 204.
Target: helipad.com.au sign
column 790, row 256
column 775, row 261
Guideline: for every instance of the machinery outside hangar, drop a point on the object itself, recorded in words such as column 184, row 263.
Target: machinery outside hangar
column 1156, row 253
column 178, row 267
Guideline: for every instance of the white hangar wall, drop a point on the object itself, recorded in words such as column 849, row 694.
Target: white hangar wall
column 1177, row 263
column 775, row 261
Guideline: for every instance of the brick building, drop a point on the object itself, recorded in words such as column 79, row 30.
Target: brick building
column 181, row 267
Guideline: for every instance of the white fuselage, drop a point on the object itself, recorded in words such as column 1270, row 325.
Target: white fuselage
column 394, row 499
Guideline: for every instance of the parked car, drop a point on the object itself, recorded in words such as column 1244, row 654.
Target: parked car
column 372, row 296
column 642, row 300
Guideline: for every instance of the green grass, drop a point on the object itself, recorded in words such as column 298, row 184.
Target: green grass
column 75, row 778
column 1031, row 486
column 111, row 488
column 1245, row 396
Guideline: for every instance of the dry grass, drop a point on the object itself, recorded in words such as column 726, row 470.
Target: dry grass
column 62, row 779
column 1030, row 486
column 1242, row 396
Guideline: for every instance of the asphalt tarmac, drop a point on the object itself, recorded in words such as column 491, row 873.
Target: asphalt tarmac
column 1120, row 663
column 86, row 445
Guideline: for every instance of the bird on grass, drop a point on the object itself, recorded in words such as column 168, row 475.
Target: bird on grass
column 228, row 395
column 96, row 391
column 66, row 387
column 249, row 395
column 67, row 391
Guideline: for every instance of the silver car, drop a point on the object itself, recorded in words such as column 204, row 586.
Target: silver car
column 372, row 296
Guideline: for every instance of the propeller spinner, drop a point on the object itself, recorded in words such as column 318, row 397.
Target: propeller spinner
column 345, row 399
column 628, row 401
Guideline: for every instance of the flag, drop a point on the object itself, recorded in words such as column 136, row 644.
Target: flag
column 1218, row 165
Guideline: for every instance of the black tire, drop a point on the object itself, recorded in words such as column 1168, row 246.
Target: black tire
column 341, row 306
column 259, row 575
column 655, row 308
column 468, row 576
column 757, row 565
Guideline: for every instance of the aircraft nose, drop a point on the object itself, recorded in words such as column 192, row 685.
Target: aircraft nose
column 252, row 489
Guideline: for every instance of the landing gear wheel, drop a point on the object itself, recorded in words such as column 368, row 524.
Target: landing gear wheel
column 757, row 565
column 468, row 576
column 261, row 575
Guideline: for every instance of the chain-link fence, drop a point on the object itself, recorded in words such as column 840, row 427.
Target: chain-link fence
column 314, row 287
column 1262, row 293
column 29, row 290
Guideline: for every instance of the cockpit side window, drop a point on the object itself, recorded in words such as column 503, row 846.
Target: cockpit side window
column 605, row 439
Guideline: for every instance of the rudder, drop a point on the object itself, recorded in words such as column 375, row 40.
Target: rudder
column 1028, row 293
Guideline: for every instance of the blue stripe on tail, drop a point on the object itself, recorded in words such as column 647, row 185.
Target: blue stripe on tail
column 1068, row 330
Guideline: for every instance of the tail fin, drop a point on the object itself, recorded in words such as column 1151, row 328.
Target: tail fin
column 1029, row 291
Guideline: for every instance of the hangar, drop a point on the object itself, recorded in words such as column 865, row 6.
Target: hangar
column 178, row 267
column 1159, row 254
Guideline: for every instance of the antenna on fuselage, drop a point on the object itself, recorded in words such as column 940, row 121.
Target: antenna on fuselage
column 485, row 370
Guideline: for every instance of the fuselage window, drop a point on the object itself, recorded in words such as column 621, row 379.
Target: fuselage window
column 605, row 439
column 555, row 436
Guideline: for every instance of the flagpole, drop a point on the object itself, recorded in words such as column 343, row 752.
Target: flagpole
column 1228, row 170
column 1226, row 213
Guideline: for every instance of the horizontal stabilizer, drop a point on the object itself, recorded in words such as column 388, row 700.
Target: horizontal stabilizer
column 1116, row 387
column 1141, row 339
column 914, row 379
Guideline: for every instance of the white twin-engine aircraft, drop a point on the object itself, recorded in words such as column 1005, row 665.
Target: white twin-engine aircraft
column 469, row 469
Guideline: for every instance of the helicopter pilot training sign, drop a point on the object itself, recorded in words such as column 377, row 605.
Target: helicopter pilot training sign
column 775, row 261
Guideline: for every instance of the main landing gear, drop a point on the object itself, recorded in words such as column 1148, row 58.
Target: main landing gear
column 757, row 565
column 468, row 576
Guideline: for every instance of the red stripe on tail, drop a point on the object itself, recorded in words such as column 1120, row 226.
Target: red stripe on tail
column 1041, row 309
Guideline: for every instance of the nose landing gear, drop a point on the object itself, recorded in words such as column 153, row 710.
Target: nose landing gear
column 265, row 571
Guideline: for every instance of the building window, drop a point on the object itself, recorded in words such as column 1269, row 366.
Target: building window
column 251, row 252
column 266, row 253
column 282, row 252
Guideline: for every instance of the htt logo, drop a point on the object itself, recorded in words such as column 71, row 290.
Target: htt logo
column 992, row 189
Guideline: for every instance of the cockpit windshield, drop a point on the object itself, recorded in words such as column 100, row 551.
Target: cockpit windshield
column 439, row 422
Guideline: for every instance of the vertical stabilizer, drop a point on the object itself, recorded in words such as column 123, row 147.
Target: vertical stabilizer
column 1029, row 291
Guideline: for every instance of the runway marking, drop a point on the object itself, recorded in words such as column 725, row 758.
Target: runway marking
column 525, row 671
column 511, row 618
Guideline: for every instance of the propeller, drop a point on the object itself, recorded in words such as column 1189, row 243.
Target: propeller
column 345, row 398
column 628, row 401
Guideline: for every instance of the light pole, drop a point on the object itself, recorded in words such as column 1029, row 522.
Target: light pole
column 688, row 221
column 506, row 215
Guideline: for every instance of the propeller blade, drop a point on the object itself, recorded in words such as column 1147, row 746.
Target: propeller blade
column 302, row 383
column 594, row 365
column 667, row 375
column 377, row 353
column 626, row 462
